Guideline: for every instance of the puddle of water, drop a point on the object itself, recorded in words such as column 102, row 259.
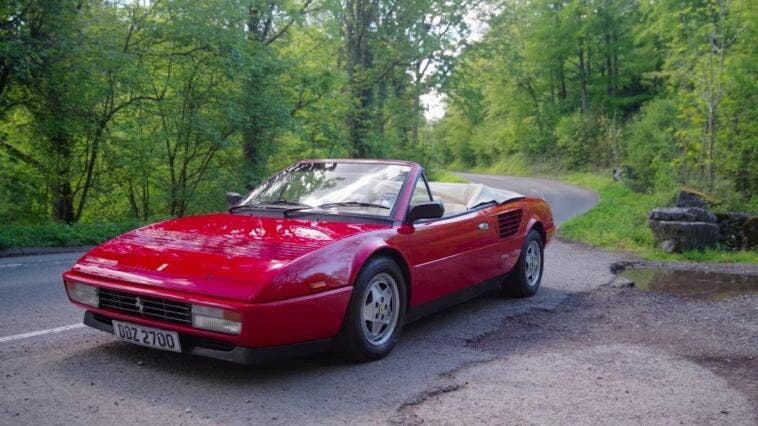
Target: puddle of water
column 695, row 284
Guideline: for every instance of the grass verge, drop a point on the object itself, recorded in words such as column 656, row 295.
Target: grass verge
column 619, row 221
column 445, row 176
column 53, row 234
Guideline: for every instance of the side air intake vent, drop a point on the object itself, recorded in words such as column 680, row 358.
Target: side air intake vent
column 508, row 223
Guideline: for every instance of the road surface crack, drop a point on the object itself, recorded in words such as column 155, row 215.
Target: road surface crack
column 405, row 411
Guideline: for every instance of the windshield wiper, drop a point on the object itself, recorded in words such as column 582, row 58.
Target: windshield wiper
column 273, row 204
column 352, row 204
column 284, row 202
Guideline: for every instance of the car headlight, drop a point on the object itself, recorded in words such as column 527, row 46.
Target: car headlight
column 82, row 293
column 216, row 319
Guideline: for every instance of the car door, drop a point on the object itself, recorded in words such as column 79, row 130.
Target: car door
column 448, row 253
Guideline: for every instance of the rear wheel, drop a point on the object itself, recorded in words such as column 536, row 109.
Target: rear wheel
column 525, row 279
column 374, row 318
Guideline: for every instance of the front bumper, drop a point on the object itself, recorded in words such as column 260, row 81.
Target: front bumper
column 309, row 318
column 221, row 350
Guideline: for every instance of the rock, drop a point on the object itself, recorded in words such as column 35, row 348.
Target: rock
column 669, row 246
column 750, row 231
column 673, row 236
column 622, row 282
column 689, row 198
column 618, row 267
column 739, row 218
column 682, row 214
column 735, row 229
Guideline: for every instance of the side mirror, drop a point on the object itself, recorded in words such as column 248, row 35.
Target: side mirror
column 430, row 210
column 233, row 198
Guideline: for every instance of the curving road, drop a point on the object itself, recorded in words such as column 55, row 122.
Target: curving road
column 566, row 200
column 77, row 375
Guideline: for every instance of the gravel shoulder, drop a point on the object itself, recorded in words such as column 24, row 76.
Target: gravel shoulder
column 610, row 353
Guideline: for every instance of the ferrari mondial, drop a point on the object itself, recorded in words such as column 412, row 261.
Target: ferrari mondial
column 326, row 254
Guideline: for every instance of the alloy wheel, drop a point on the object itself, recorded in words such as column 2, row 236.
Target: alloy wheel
column 380, row 309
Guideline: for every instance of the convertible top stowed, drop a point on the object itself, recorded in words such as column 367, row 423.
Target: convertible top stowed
column 458, row 197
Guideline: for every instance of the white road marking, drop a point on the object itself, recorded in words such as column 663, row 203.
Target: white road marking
column 40, row 332
column 11, row 265
column 43, row 262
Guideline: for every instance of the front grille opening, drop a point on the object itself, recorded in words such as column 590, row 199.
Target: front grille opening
column 103, row 319
column 508, row 223
column 145, row 307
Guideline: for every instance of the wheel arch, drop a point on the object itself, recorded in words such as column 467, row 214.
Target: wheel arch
column 537, row 226
column 391, row 253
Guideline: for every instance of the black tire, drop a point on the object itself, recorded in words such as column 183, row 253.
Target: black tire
column 353, row 341
column 521, row 282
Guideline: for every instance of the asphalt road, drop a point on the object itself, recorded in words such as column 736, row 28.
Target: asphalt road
column 78, row 375
column 565, row 200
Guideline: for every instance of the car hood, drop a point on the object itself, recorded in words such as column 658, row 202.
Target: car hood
column 222, row 255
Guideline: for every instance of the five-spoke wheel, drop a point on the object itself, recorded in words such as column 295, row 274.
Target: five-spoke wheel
column 380, row 310
column 524, row 280
column 533, row 262
column 375, row 315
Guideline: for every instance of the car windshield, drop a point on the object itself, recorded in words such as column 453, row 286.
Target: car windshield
column 356, row 188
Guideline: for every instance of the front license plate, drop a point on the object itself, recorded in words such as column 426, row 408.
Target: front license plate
column 147, row 336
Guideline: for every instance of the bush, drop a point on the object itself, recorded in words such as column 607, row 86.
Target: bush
column 651, row 147
column 588, row 140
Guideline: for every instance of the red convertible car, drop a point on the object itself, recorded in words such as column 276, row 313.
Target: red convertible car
column 327, row 253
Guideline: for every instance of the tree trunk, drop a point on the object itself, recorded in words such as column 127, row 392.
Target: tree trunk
column 416, row 117
column 256, row 148
column 62, row 194
column 583, row 101
column 417, row 88
column 562, row 93
column 358, row 21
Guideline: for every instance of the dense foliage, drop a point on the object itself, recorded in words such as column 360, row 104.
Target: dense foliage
column 664, row 90
column 111, row 110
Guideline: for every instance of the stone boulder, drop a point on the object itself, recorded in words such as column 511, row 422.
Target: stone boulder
column 690, row 226
column 689, row 198
column 678, row 229
column 682, row 236
column 738, row 230
column 750, row 231
column 683, row 214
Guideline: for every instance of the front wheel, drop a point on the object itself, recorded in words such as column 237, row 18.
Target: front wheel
column 374, row 318
column 525, row 279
